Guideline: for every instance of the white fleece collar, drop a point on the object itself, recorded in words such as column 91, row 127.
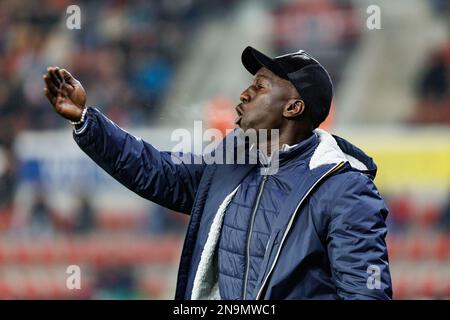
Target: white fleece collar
column 328, row 152
column 206, row 281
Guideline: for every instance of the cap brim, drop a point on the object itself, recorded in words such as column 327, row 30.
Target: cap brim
column 253, row 60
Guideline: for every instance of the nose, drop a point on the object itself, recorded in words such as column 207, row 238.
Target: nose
column 245, row 97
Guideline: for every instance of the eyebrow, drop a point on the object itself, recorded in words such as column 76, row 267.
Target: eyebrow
column 261, row 76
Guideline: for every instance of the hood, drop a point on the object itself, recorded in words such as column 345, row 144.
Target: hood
column 333, row 149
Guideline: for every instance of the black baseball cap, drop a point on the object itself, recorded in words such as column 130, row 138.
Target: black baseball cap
column 308, row 76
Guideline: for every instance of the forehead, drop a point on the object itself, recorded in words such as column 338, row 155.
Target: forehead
column 266, row 73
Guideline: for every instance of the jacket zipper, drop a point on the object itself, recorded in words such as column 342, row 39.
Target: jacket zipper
column 247, row 264
column 329, row 172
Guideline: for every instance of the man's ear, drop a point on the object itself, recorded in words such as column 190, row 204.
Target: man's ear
column 294, row 108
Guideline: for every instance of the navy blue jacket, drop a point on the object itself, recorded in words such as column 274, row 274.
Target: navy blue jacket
column 327, row 240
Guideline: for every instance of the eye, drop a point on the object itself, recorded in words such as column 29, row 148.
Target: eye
column 260, row 86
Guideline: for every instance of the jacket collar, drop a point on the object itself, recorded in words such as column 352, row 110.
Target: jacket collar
column 303, row 149
column 323, row 148
column 333, row 149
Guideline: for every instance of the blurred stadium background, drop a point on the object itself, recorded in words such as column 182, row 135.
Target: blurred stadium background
column 153, row 66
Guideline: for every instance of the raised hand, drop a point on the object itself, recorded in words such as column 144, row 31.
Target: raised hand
column 65, row 93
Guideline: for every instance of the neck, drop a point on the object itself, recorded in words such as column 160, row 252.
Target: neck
column 289, row 137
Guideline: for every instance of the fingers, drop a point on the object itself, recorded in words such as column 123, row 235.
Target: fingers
column 66, row 76
column 49, row 96
column 54, row 76
column 50, row 85
column 58, row 75
column 58, row 84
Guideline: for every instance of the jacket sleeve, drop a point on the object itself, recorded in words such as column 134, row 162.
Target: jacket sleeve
column 356, row 240
column 166, row 178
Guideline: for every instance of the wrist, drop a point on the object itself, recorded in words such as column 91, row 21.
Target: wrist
column 82, row 118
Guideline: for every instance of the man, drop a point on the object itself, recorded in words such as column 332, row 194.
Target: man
column 313, row 230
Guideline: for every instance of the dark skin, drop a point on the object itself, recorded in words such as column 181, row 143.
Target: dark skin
column 270, row 102
column 65, row 93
